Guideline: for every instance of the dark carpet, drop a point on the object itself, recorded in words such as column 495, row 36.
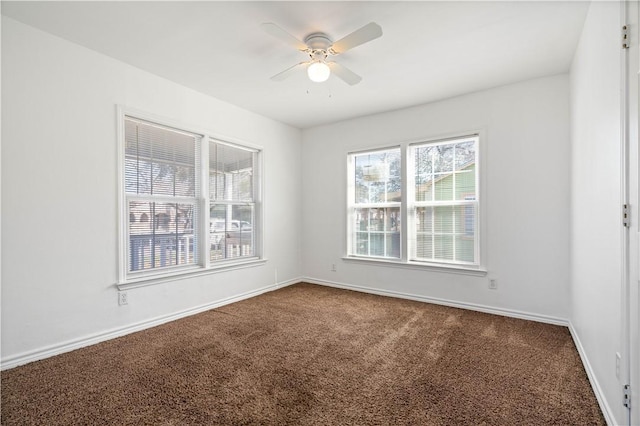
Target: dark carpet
column 313, row 355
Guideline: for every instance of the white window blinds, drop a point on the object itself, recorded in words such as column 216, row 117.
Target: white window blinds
column 161, row 187
column 445, row 204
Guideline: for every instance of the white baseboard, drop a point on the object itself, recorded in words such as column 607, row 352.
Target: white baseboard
column 595, row 385
column 438, row 301
column 49, row 351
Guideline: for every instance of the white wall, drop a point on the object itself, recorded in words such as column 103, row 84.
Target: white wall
column 59, row 192
column 596, row 281
column 527, row 197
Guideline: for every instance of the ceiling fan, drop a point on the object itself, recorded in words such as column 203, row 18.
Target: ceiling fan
column 319, row 47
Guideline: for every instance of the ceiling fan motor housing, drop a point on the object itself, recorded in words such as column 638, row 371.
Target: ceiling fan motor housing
column 318, row 41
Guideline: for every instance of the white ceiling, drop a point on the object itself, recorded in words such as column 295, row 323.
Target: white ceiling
column 429, row 50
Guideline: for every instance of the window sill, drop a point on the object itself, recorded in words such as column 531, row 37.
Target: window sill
column 435, row 267
column 190, row 273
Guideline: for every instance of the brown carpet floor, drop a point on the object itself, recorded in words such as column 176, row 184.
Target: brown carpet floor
column 312, row 355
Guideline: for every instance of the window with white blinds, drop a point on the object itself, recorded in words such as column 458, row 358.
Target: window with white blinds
column 444, row 206
column 427, row 213
column 161, row 187
column 173, row 221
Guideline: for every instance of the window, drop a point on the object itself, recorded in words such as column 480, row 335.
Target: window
column 376, row 197
column 440, row 203
column 176, row 221
column 161, row 165
column 444, row 206
column 232, row 203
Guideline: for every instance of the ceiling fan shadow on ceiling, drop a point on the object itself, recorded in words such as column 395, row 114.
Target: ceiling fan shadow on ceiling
column 319, row 47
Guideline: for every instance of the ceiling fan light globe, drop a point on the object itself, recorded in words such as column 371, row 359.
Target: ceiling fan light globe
column 318, row 72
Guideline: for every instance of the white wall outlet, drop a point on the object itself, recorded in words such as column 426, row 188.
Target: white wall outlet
column 618, row 360
column 333, row 267
column 493, row 284
column 123, row 298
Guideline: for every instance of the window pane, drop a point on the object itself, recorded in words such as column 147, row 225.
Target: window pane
column 467, row 220
column 362, row 243
column 378, row 177
column 230, row 173
column 184, row 181
column 231, row 231
column 424, row 246
column 466, row 183
column 378, row 219
column 441, row 156
column 444, row 187
column 423, row 175
column 446, row 233
column 443, row 247
column 445, row 172
column 465, row 177
column 377, row 232
column 465, row 154
column 161, row 235
column 443, row 219
column 159, row 160
column 377, row 246
column 465, row 248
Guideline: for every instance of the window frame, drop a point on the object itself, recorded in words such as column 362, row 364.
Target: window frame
column 413, row 204
column 407, row 206
column 203, row 265
column 352, row 204
column 253, row 203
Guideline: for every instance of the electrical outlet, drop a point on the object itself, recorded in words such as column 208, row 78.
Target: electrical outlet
column 618, row 359
column 493, row 284
column 123, row 299
column 333, row 267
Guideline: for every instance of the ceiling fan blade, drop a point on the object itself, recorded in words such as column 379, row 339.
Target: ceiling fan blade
column 277, row 32
column 289, row 71
column 367, row 33
column 344, row 73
